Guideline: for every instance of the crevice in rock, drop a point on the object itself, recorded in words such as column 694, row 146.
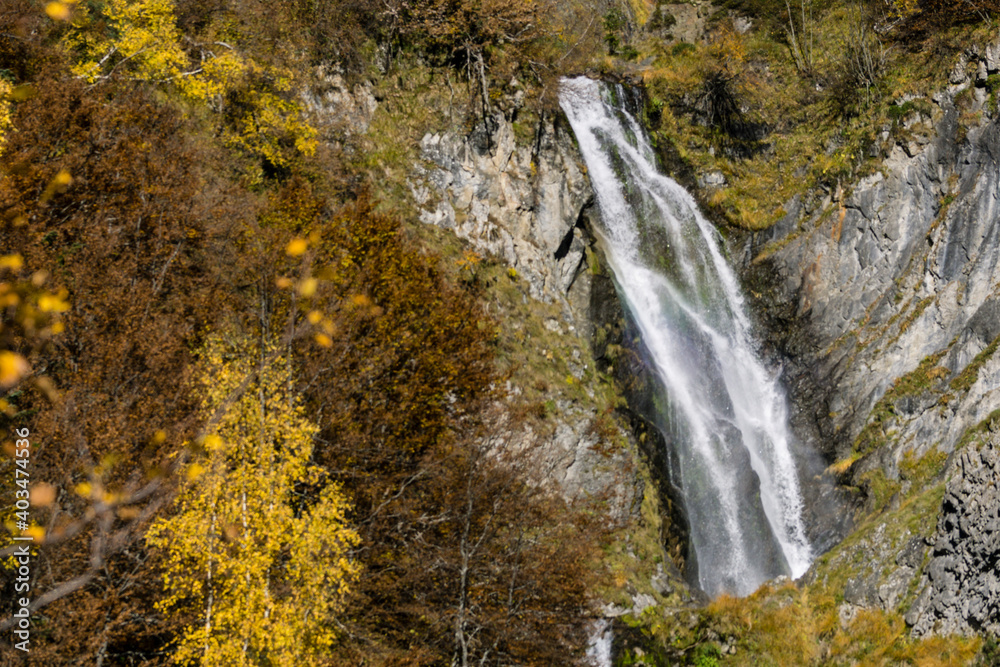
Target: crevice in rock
column 567, row 240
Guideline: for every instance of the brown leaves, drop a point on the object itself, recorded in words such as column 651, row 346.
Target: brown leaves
column 402, row 390
column 407, row 359
column 116, row 210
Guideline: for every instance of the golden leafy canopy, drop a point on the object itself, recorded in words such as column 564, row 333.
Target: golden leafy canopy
column 139, row 39
column 264, row 571
column 5, row 121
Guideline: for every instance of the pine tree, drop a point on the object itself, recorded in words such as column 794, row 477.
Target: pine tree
column 264, row 571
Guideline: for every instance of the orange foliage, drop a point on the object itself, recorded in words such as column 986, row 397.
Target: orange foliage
column 401, row 390
column 412, row 352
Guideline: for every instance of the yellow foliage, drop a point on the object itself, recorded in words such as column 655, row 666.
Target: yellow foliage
column 729, row 47
column 901, row 9
column 469, row 260
column 264, row 573
column 60, row 10
column 307, row 288
column 843, row 465
column 140, row 38
column 13, row 367
column 263, row 116
column 296, row 247
column 36, row 532
column 141, row 33
column 14, row 262
column 5, row 121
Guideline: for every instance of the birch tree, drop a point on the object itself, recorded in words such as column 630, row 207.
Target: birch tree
column 263, row 571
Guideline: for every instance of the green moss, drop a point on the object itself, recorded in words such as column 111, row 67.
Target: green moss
column 990, row 654
column 919, row 471
column 915, row 516
column 414, row 101
column 921, row 379
column 707, row 655
column 992, row 85
column 879, row 488
column 774, row 246
column 784, row 625
column 964, row 380
column 919, row 515
column 633, row 556
column 682, row 48
column 593, row 262
column 898, row 112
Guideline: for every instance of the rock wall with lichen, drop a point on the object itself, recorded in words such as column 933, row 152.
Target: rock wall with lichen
column 883, row 298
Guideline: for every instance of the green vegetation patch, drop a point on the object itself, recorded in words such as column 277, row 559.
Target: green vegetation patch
column 916, row 382
column 784, row 624
column 920, row 470
column 637, row 554
column 879, row 489
column 975, row 433
column 809, row 99
column 964, row 380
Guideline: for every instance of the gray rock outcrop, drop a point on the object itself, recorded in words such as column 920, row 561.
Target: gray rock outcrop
column 518, row 202
column 884, row 302
column 529, row 206
column 337, row 109
column 874, row 283
column 961, row 584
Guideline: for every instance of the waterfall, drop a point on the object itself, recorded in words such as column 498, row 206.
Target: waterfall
column 722, row 411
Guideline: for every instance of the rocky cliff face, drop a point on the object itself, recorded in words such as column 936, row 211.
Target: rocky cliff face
column 522, row 204
column 960, row 590
column 518, row 202
column 885, row 301
column 531, row 205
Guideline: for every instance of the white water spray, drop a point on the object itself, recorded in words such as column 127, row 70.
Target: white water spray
column 725, row 413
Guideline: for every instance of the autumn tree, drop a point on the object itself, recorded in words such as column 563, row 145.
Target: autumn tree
column 141, row 40
column 6, row 92
column 501, row 572
column 264, row 567
column 460, row 543
column 107, row 200
column 411, row 354
column 118, row 187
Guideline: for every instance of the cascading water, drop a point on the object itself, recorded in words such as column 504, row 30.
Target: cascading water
column 724, row 413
